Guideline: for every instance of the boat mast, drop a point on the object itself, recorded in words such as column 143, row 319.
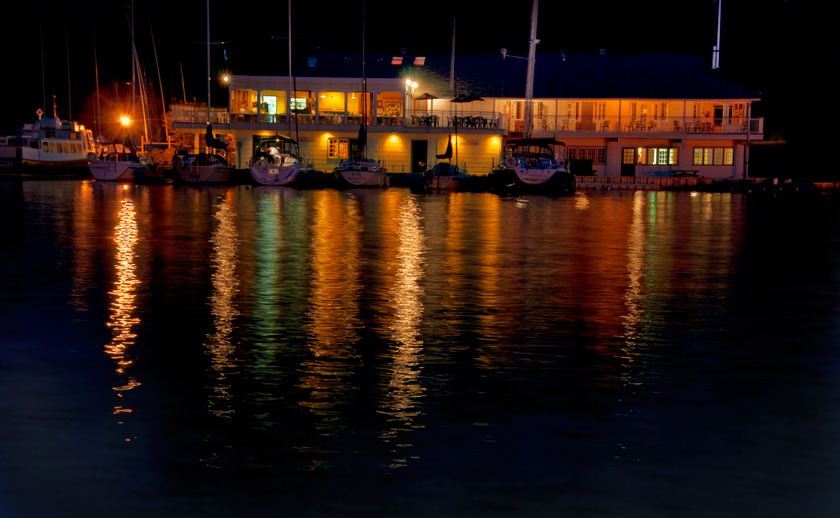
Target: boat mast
column 96, row 122
column 133, row 64
column 364, row 76
column 529, row 85
column 160, row 82
column 716, row 49
column 364, row 85
column 291, row 84
column 208, row 61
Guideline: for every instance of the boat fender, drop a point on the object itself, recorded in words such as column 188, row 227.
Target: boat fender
column 91, row 157
column 176, row 162
column 510, row 161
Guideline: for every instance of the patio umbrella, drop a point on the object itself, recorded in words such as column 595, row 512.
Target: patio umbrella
column 460, row 99
column 428, row 97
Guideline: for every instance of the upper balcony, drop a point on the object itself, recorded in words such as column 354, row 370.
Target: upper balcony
column 649, row 127
column 475, row 121
column 195, row 117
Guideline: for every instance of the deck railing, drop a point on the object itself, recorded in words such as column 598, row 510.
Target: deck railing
column 545, row 125
column 641, row 125
column 195, row 113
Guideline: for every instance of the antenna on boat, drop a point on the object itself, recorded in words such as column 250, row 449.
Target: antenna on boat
column 67, row 48
column 97, row 114
column 43, row 73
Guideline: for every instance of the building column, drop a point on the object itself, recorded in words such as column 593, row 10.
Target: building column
column 613, row 165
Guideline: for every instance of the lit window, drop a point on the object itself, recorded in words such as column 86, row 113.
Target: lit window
column 337, row 148
column 713, row 156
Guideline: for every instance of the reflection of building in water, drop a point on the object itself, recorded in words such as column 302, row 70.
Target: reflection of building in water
column 225, row 287
column 123, row 304
column 333, row 317
column 676, row 247
column 404, row 389
column 472, row 265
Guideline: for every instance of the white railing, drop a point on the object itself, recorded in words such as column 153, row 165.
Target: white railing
column 639, row 125
column 195, row 114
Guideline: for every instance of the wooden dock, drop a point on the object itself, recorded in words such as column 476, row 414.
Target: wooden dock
column 699, row 183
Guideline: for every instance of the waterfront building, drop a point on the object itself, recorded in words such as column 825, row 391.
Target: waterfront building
column 618, row 115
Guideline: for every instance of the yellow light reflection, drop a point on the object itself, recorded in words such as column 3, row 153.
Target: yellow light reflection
column 225, row 287
column 122, row 320
column 332, row 319
column 404, row 389
column 581, row 201
column 635, row 270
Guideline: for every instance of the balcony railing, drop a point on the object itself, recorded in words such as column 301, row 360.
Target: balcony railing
column 641, row 125
column 195, row 114
column 544, row 126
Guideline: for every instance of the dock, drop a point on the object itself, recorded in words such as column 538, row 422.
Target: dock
column 700, row 183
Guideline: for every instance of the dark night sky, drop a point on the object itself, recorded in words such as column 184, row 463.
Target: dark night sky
column 783, row 48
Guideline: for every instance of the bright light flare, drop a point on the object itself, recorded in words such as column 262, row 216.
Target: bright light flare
column 125, row 120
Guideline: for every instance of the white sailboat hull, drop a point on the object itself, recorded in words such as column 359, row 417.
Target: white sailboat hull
column 124, row 171
column 273, row 174
column 360, row 178
column 535, row 176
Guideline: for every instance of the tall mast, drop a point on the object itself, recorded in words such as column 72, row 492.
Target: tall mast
column 529, row 85
column 291, row 84
column 96, row 122
column 716, row 49
column 208, row 61
column 133, row 63
column 452, row 63
column 364, row 77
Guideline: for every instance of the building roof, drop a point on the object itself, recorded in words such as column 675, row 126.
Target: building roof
column 574, row 76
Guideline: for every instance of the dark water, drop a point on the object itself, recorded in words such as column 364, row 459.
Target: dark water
column 198, row 351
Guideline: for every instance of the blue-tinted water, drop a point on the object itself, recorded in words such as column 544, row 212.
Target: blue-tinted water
column 238, row 351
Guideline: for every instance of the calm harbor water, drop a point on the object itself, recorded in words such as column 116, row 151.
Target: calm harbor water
column 246, row 351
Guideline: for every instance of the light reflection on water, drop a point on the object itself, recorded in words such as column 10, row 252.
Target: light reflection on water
column 333, row 319
column 122, row 319
column 575, row 356
column 404, row 388
column 225, row 283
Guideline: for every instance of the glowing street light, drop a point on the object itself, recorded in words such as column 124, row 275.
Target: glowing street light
column 125, row 120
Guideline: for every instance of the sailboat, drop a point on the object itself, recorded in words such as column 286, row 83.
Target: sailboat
column 276, row 159
column 117, row 160
column 446, row 176
column 360, row 170
column 204, row 167
column 532, row 164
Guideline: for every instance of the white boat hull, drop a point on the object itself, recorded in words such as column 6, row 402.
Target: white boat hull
column 358, row 178
column 535, row 176
column 117, row 171
column 272, row 174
